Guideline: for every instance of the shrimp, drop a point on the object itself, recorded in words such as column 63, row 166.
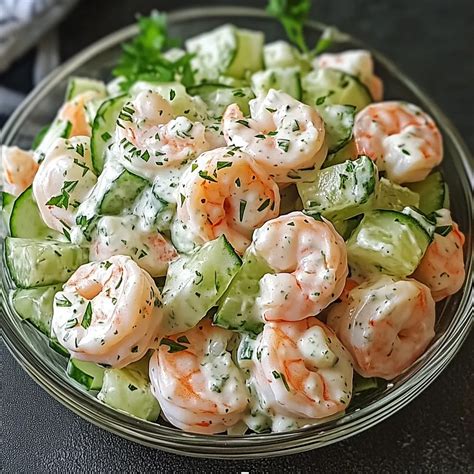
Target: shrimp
column 226, row 192
column 385, row 325
column 310, row 262
column 199, row 387
column 74, row 111
column 300, row 370
column 63, row 181
column 283, row 135
column 108, row 312
column 123, row 235
column 403, row 140
column 148, row 138
column 358, row 63
column 18, row 169
column 442, row 267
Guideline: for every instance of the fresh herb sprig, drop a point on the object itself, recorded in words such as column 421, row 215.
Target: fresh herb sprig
column 143, row 60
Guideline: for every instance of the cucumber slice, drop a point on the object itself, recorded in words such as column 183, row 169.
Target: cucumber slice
column 79, row 85
column 331, row 86
column 422, row 219
column 153, row 211
column 433, row 192
column 339, row 122
column 103, row 128
column 347, row 152
column 36, row 306
column 88, row 374
column 280, row 54
column 341, row 191
column 237, row 309
column 195, row 284
column 345, row 227
column 54, row 344
column 8, row 201
column 39, row 137
column 390, row 195
column 129, row 390
column 26, row 221
column 287, row 80
column 249, row 55
column 361, row 384
column 58, row 129
column 387, row 241
column 33, row 262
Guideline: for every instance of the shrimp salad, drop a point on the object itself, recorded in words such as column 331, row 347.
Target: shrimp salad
column 235, row 236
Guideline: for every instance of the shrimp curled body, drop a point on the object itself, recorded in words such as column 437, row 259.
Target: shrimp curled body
column 226, row 192
column 108, row 312
column 310, row 261
column 18, row 169
column 199, row 387
column 385, row 325
column 283, row 135
column 403, row 140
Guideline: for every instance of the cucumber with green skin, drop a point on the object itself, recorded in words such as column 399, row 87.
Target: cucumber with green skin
column 88, row 374
column 285, row 79
column 26, row 221
column 36, row 306
column 339, row 122
column 8, row 201
column 390, row 195
column 79, row 85
column 195, row 283
column 58, row 129
column 33, row 262
column 387, row 241
column 433, row 192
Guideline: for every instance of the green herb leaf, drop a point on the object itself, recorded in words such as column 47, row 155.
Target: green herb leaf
column 87, row 318
column 444, row 230
column 173, row 345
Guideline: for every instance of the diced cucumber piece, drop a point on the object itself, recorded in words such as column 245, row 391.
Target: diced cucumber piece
column 195, row 283
column 387, row 241
column 280, row 54
column 58, row 129
column 361, row 384
column 39, row 137
column 390, row 195
column 433, row 192
column 36, row 306
column 88, row 374
column 285, row 79
column 226, row 50
column 339, row 122
column 341, row 191
column 33, row 262
column 129, row 390
column 153, row 211
column 345, row 227
column 245, row 351
column 347, row 152
column 237, row 309
column 331, row 86
column 26, row 221
column 180, row 237
column 54, row 344
column 422, row 219
column 8, row 201
column 79, row 85
column 103, row 128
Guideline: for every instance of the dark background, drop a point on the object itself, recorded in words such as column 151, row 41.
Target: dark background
column 432, row 41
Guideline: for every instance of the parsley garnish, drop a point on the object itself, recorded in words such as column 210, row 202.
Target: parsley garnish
column 243, row 204
column 87, row 318
column 224, row 164
column 63, row 199
column 173, row 345
column 63, row 302
column 205, row 175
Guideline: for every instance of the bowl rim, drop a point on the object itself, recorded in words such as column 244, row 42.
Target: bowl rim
column 255, row 445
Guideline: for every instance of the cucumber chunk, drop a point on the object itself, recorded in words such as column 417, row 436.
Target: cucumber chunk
column 249, row 54
column 58, row 129
column 390, row 195
column 54, row 344
column 433, row 192
column 387, row 241
column 79, row 85
column 88, row 374
column 285, row 79
column 339, row 122
column 33, row 262
column 103, row 128
column 237, row 309
column 26, row 221
column 195, row 284
column 8, row 201
column 345, row 227
column 36, row 306
column 341, row 191
column 129, row 390
column 39, row 137
column 331, row 86
column 422, row 219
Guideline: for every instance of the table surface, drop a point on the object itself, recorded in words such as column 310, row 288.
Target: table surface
column 432, row 41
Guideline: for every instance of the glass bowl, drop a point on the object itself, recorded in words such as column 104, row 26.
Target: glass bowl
column 454, row 316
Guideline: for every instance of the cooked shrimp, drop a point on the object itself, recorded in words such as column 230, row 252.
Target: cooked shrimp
column 63, row 181
column 283, row 135
column 226, row 192
column 108, row 312
column 301, row 370
column 385, row 325
column 403, row 140
column 310, row 263
column 75, row 112
column 148, row 138
column 18, row 169
column 357, row 62
column 123, row 235
column 442, row 266
column 199, row 387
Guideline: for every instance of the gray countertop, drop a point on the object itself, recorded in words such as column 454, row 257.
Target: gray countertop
column 432, row 42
